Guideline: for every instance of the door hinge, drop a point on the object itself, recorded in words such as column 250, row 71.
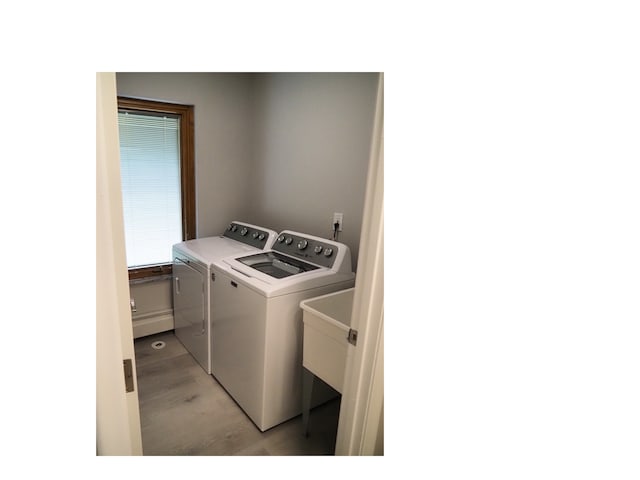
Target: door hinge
column 352, row 338
column 128, row 375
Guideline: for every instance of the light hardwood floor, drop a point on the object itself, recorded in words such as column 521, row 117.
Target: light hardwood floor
column 185, row 411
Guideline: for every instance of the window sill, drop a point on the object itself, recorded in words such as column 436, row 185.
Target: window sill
column 152, row 272
column 157, row 278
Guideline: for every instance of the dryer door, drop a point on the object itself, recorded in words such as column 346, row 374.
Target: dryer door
column 189, row 309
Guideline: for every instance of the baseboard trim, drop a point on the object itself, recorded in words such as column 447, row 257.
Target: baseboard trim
column 143, row 327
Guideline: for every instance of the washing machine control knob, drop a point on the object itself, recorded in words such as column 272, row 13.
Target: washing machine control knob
column 281, row 238
column 261, row 236
column 318, row 249
column 288, row 240
column 233, row 228
column 255, row 234
column 302, row 244
column 328, row 252
column 244, row 231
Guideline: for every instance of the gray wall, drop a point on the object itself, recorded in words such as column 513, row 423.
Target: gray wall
column 312, row 140
column 282, row 150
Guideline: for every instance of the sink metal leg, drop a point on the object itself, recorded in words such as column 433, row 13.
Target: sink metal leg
column 307, row 389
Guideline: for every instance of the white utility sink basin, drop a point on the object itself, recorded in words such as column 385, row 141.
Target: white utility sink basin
column 327, row 321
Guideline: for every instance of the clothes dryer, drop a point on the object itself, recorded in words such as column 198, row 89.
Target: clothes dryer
column 256, row 320
column 191, row 273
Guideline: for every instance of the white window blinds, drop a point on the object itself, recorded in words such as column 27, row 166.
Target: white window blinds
column 150, row 170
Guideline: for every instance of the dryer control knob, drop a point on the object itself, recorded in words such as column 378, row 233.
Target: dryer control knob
column 318, row 249
column 328, row 252
column 261, row 236
column 281, row 238
column 302, row 244
column 234, row 228
column 244, row 231
column 255, row 234
column 288, row 240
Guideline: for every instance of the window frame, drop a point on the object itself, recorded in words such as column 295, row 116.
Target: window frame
column 187, row 170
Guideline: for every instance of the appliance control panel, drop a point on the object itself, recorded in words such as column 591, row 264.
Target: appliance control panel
column 307, row 248
column 246, row 234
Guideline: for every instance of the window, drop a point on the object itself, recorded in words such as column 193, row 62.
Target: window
column 158, row 183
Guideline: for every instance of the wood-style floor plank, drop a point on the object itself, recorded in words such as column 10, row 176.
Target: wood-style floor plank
column 185, row 411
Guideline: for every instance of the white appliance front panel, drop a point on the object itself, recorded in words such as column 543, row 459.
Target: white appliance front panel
column 256, row 345
column 201, row 253
column 189, row 310
column 237, row 342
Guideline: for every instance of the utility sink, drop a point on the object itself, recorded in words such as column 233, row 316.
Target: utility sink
column 327, row 320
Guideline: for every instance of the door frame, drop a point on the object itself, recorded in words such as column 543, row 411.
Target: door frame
column 117, row 411
column 361, row 423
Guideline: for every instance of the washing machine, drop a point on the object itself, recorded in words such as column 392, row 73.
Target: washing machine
column 192, row 261
column 256, row 320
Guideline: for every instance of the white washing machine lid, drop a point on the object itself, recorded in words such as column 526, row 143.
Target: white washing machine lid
column 270, row 286
column 273, row 273
column 209, row 249
column 276, row 264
